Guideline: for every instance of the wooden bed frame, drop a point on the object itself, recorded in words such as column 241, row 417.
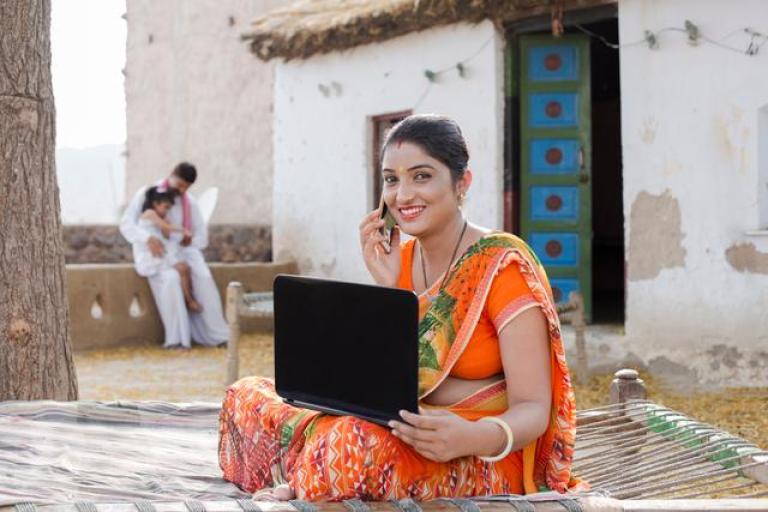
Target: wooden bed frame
column 603, row 430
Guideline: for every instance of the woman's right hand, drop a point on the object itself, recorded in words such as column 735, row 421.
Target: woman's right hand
column 382, row 256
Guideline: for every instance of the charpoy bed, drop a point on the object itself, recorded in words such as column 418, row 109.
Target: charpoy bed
column 161, row 457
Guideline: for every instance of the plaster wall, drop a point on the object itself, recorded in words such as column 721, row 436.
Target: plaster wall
column 697, row 262
column 323, row 135
column 195, row 92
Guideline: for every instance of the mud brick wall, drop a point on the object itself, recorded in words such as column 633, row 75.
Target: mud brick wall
column 110, row 305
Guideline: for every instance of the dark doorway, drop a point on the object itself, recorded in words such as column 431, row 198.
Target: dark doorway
column 607, row 185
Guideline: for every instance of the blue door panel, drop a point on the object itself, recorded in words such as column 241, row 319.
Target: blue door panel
column 556, row 249
column 553, row 63
column 554, row 110
column 562, row 288
column 554, row 203
column 554, row 156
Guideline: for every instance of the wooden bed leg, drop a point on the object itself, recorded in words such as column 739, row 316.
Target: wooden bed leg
column 234, row 298
column 627, row 385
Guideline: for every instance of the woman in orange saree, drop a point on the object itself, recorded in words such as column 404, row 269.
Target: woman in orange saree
column 497, row 412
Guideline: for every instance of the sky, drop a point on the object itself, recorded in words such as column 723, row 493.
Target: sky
column 88, row 40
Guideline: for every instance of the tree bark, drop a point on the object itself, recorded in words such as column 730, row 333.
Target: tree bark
column 35, row 351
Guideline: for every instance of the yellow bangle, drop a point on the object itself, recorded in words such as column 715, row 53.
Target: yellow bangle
column 510, row 438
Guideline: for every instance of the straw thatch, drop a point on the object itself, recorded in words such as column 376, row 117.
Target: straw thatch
column 309, row 27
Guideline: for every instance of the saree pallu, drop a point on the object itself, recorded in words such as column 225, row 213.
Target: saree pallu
column 264, row 442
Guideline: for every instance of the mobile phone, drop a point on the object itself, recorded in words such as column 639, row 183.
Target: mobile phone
column 389, row 223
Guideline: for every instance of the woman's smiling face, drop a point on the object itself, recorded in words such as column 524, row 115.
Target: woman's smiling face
column 418, row 189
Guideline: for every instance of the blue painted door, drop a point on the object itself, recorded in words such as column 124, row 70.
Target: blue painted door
column 555, row 145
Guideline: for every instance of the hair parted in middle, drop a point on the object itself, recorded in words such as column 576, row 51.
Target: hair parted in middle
column 439, row 136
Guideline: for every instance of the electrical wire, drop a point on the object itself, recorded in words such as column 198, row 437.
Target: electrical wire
column 751, row 50
column 651, row 40
column 432, row 75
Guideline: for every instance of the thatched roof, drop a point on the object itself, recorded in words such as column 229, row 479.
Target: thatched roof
column 309, row 27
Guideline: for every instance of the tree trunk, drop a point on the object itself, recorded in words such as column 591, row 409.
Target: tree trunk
column 35, row 351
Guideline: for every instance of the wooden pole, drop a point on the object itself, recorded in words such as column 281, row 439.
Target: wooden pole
column 234, row 299
column 579, row 326
column 586, row 504
column 721, row 505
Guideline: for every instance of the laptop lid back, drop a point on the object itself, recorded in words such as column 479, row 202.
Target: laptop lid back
column 346, row 346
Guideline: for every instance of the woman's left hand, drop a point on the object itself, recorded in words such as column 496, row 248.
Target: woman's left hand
column 436, row 434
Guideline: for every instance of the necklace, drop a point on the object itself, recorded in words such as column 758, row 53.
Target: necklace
column 450, row 263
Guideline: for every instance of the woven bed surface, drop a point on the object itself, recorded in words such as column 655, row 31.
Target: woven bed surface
column 125, row 451
column 63, row 452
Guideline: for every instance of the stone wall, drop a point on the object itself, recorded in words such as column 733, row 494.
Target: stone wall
column 227, row 243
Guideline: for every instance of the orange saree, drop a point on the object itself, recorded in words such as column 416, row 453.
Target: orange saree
column 263, row 441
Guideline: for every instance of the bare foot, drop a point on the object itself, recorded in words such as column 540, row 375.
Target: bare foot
column 194, row 306
column 281, row 492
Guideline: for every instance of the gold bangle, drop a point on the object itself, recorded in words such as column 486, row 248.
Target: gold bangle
column 510, row 438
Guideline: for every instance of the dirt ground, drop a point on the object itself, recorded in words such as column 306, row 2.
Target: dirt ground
column 153, row 373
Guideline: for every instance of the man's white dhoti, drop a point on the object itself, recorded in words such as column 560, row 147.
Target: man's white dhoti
column 181, row 326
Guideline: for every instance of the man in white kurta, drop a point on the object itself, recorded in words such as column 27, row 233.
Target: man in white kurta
column 181, row 326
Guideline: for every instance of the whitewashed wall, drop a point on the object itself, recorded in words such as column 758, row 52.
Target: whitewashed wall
column 323, row 148
column 694, row 181
column 195, row 92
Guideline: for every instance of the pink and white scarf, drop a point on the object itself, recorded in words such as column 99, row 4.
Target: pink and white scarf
column 186, row 209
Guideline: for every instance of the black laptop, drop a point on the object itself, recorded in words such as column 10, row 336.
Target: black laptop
column 346, row 348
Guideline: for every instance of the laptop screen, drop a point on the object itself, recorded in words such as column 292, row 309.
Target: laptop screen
column 346, row 346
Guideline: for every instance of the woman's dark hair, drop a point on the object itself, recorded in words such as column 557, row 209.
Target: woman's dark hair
column 186, row 171
column 440, row 137
column 155, row 195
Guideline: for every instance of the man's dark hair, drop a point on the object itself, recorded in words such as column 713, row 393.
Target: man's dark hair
column 186, row 171
column 440, row 137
